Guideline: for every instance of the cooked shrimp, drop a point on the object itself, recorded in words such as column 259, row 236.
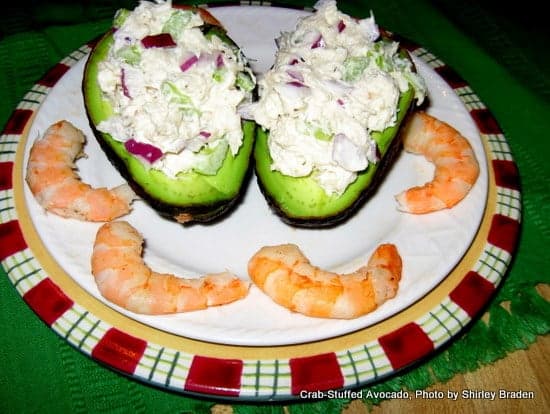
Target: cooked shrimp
column 123, row 278
column 53, row 180
column 456, row 166
column 287, row 276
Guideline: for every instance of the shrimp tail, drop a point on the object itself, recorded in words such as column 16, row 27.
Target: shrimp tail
column 384, row 268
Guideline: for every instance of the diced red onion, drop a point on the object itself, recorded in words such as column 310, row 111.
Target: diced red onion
column 125, row 90
column 147, row 151
column 188, row 63
column 297, row 84
column 219, row 61
column 340, row 102
column 205, row 134
column 209, row 58
column 158, row 40
column 319, row 42
column 341, row 26
column 294, row 74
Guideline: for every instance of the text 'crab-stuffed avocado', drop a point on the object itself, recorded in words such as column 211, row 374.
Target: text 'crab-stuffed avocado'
column 162, row 92
column 330, row 111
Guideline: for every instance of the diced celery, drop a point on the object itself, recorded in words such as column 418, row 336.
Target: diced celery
column 219, row 74
column 244, row 81
column 178, row 97
column 129, row 54
column 354, row 67
column 381, row 63
column 120, row 17
column 210, row 158
column 322, row 135
column 177, row 22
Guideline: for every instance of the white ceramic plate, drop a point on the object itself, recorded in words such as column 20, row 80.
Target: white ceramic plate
column 430, row 245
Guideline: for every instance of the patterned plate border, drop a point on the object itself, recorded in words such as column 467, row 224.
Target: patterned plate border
column 259, row 373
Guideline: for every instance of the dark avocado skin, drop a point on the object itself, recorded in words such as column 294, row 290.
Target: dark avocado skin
column 191, row 197
column 301, row 202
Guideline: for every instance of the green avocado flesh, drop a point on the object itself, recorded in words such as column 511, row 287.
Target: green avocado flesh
column 190, row 196
column 300, row 201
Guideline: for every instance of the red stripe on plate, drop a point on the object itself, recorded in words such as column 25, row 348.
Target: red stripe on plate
column 119, row 350
column 11, row 239
column 214, row 376
column 315, row 373
column 506, row 174
column 472, row 293
column 485, row 121
column 53, row 75
column 406, row 345
column 6, row 170
column 91, row 44
column 451, row 77
column 504, row 232
column 48, row 301
column 18, row 120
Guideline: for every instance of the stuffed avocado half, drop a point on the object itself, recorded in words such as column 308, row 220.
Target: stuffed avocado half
column 330, row 112
column 162, row 92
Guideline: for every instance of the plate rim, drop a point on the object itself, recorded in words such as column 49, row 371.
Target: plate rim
column 259, row 373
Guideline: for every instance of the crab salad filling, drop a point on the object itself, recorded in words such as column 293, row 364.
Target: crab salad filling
column 174, row 83
column 334, row 82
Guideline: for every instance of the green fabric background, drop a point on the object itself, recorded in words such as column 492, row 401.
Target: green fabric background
column 500, row 50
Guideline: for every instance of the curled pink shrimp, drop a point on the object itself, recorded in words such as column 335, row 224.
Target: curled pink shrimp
column 54, row 182
column 123, row 278
column 456, row 166
column 287, row 276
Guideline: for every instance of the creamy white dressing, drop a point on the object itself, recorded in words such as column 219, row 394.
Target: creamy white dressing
column 331, row 85
column 181, row 98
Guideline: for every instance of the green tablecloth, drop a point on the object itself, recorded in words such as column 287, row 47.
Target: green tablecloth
column 499, row 50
